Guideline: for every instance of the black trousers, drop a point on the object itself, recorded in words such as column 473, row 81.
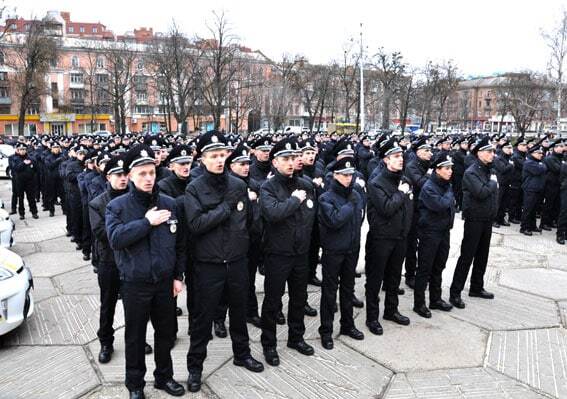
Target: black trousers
column 86, row 237
column 143, row 302
column 76, row 217
column 474, row 248
column 516, row 197
column 211, row 281
column 458, row 190
column 562, row 219
column 314, row 250
column 433, row 253
column 26, row 187
column 191, row 292
column 410, row 264
column 338, row 273
column 504, row 196
column 109, row 284
column 532, row 202
column 14, row 201
column 53, row 190
column 280, row 269
column 385, row 267
column 550, row 211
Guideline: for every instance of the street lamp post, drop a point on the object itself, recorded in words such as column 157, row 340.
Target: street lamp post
column 361, row 83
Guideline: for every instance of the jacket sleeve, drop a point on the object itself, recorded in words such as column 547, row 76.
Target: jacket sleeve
column 434, row 201
column 180, row 243
column 332, row 217
column 535, row 168
column 274, row 210
column 477, row 187
column 414, row 175
column 552, row 166
column 121, row 235
column 384, row 204
column 199, row 220
column 96, row 216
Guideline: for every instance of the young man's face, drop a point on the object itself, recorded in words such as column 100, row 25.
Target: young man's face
column 537, row 155
column 118, row 181
column 143, row 177
column 284, row 165
column 395, row 162
column 343, row 179
column 308, row 157
column 214, row 161
column 486, row 156
column 181, row 169
column 424, row 154
column 241, row 169
column 297, row 162
column 445, row 172
column 261, row 155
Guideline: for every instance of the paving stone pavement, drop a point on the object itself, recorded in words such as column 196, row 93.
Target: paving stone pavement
column 512, row 347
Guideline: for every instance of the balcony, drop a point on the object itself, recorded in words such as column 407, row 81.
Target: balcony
column 77, row 101
column 76, row 85
column 5, row 100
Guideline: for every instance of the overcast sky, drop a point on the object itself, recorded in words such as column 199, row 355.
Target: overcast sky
column 482, row 36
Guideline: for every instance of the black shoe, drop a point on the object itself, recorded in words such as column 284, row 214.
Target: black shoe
column 35, row 216
column 357, row 275
column 309, row 311
column 68, row 234
column 505, row 223
column 357, row 303
column 249, row 363
column 496, row 225
column 525, row 232
column 302, row 347
column 440, row 305
column 105, row 354
column 327, row 342
column 271, row 356
column 410, row 282
column 261, row 270
column 561, row 240
column 220, row 329
column 375, row 327
column 481, row 294
column 86, row 257
column 545, row 227
column 553, row 225
column 537, row 230
column 280, row 318
column 148, row 349
column 315, row 281
column 194, row 381
column 457, row 302
column 172, row 387
column 51, row 214
column 178, row 311
column 423, row 311
column 255, row 321
column 397, row 318
column 401, row 291
column 138, row 394
column 79, row 247
column 22, row 217
column 514, row 221
column 13, row 212
column 352, row 332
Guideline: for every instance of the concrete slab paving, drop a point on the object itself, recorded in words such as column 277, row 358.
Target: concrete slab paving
column 54, row 263
column 78, row 281
column 120, row 392
column 59, row 244
column 535, row 357
column 43, row 289
column 547, row 283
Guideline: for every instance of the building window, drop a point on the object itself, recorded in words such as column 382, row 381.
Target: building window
column 2, row 58
column 142, row 109
column 95, row 30
column 55, row 102
column 82, row 29
column 4, row 109
column 4, row 92
column 27, row 27
column 101, row 78
column 54, row 89
column 9, row 129
column 76, row 94
column 33, row 109
column 99, row 62
column 3, row 76
column 76, row 78
column 142, row 96
column 102, row 126
column 78, row 109
column 162, row 109
column 53, row 62
column 13, row 26
column 71, row 29
column 75, row 61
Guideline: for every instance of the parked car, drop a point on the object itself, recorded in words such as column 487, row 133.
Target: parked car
column 5, row 151
column 102, row 133
column 16, row 285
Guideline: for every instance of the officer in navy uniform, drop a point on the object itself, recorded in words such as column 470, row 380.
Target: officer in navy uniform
column 341, row 211
column 150, row 255
column 391, row 197
column 436, row 215
column 25, row 171
column 533, row 185
column 480, row 205
column 288, row 211
column 550, row 211
column 518, row 158
column 103, row 256
column 53, row 183
column 261, row 166
column 562, row 219
column 217, row 211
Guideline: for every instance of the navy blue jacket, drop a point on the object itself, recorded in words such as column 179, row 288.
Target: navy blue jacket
column 436, row 206
column 340, row 213
column 480, row 193
column 533, row 175
column 144, row 253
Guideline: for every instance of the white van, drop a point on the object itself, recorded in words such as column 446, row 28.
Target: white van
column 5, row 151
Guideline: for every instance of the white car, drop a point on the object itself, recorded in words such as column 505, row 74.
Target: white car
column 5, row 151
column 16, row 284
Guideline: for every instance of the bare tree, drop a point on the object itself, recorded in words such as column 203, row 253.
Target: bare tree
column 556, row 41
column 31, row 58
column 390, row 68
column 348, row 77
column 406, row 89
column 312, row 84
column 220, row 52
column 446, row 84
column 280, row 93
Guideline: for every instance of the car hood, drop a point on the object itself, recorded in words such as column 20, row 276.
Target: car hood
column 10, row 260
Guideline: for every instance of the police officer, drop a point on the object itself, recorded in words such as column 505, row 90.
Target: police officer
column 519, row 157
column 504, row 167
column 416, row 173
column 533, row 184
column 217, row 209
column 25, row 171
column 74, row 168
column 340, row 211
column 288, row 210
column 141, row 227
column 459, row 170
column 550, row 210
column 390, row 196
column 103, row 256
column 261, row 166
column 436, row 215
column 480, row 204
column 562, row 219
